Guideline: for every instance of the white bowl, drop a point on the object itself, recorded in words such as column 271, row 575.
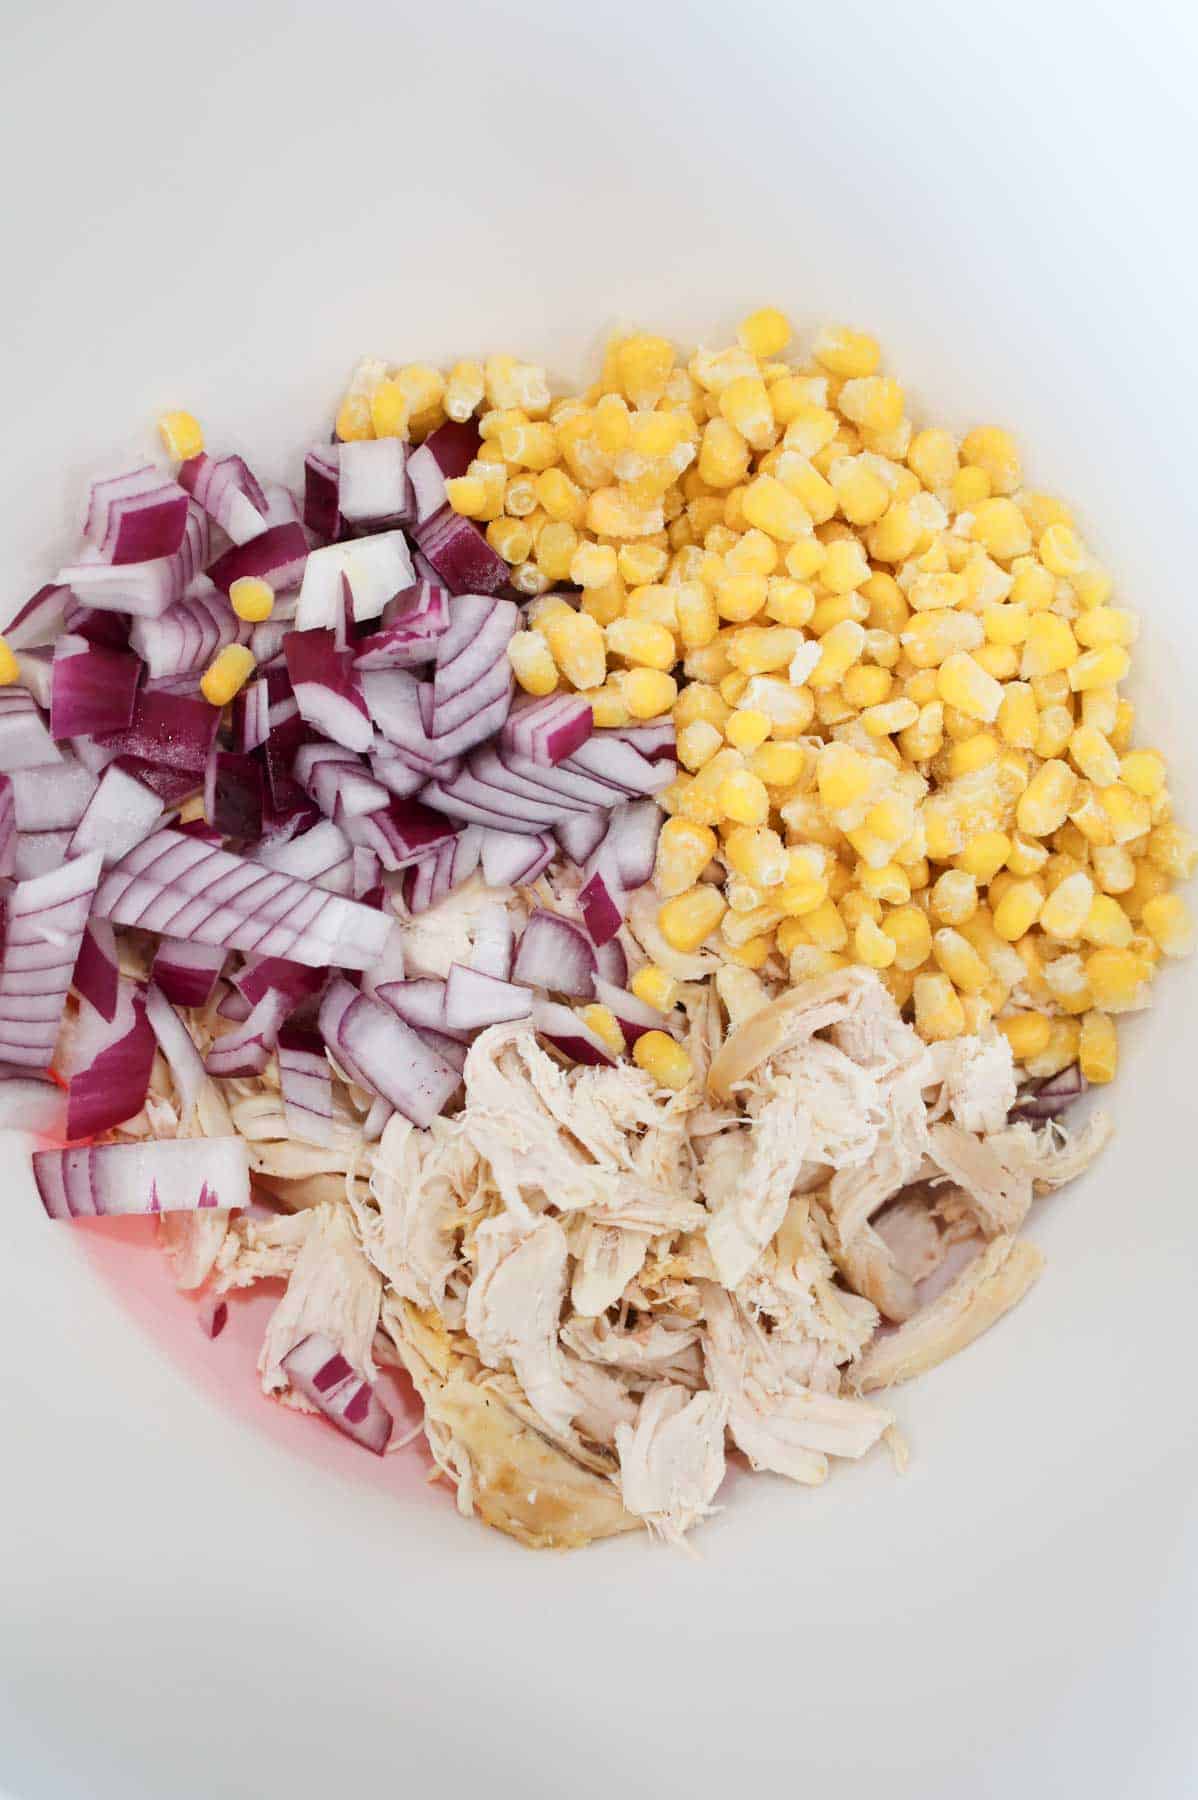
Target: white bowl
column 221, row 206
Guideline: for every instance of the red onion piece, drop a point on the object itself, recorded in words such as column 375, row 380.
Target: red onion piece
column 634, row 1016
column 316, row 1369
column 468, row 797
column 570, row 1034
column 212, row 1315
column 402, row 832
column 110, row 629
column 46, row 920
column 306, row 1086
column 261, row 974
column 555, row 953
column 474, row 1000
column 186, row 973
column 97, row 969
column 41, row 620
column 248, row 1049
column 52, row 798
column 37, row 673
column 459, row 553
column 326, row 687
column 581, row 834
column 547, row 731
column 323, row 856
column 419, row 1002
column 188, row 635
column 174, row 884
column 493, row 942
column 410, row 627
column 178, row 1047
column 322, row 473
column 1047, row 1098
column 144, row 589
column 8, row 827
column 168, row 732
column 372, row 482
column 608, row 759
column 235, row 794
column 92, row 690
column 136, row 517
column 655, row 741
column 373, row 570
column 611, row 963
column 251, row 716
column 511, row 861
column 488, row 765
column 633, row 836
column 111, row 1064
column 277, row 555
column 334, row 777
column 38, row 852
column 394, row 1061
column 24, row 741
column 30, row 1103
column 120, row 814
column 571, row 784
column 161, row 1175
column 601, row 898
column 445, row 454
column 228, row 493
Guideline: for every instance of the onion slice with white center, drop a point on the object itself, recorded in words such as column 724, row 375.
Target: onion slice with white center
column 556, row 954
column 46, row 920
column 474, row 999
column 306, row 1085
column 316, row 1369
column 162, row 1175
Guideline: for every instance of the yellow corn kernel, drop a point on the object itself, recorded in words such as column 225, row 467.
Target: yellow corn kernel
column 938, row 1010
column 908, row 928
column 861, row 493
column 873, row 402
column 743, row 797
column 663, row 1059
column 510, row 538
column 892, row 716
column 698, row 701
column 844, row 777
column 748, row 728
column 182, row 435
column 1060, row 1051
column 640, row 642
column 1143, row 771
column 648, row 692
column 723, row 455
column 872, row 946
column 789, row 602
column 847, row 353
column 778, row 765
column 225, row 675
column 654, row 987
column 1067, row 908
column 1098, row 668
column 556, row 542
column 1041, row 511
column 855, row 906
column 604, row 1023
column 745, row 405
column 1098, row 1047
column 613, row 514
column 1050, row 646
column 532, row 662
column 698, row 617
column 765, row 332
column 561, row 498
column 607, row 706
column 1027, row 855
column 1117, row 979
column 1106, row 625
column 1114, row 870
column 642, row 365
column 684, row 850
column 1028, row 1033
column 991, row 448
column 834, row 609
column 1054, row 729
column 840, row 648
column 1092, row 586
column 962, row 683
column 969, row 489
column 890, row 883
column 613, row 427
column 954, row 897
column 1032, row 586
column 805, row 558
column 1107, row 925
column 1005, row 623
column 984, row 854
column 1167, row 920
column 758, row 650
column 603, row 604
column 740, row 597
column 740, row 928
column 757, row 855
column 10, row 669
column 930, row 638
column 1000, row 527
column 464, row 390
column 820, row 925
column 866, row 685
column 921, row 741
column 772, row 508
column 1128, row 813
column 642, row 563
column 844, row 567
column 1093, row 756
column 972, row 753
column 932, row 454
column 252, row 599
column 1173, row 851
column 1018, row 909
column 697, row 744
column 578, row 648
column 1044, row 804
column 470, row 496
column 1060, row 550
column 353, row 418
column 957, row 957
column 593, row 565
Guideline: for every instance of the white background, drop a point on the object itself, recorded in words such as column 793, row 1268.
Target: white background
column 220, row 206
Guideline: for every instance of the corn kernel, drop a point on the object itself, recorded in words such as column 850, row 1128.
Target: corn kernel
column 872, row 946
column 1173, row 851
column 1044, row 804
column 930, row 638
column 1028, row 1033
column 1098, row 1048
column 861, row 493
column 532, row 662
column 353, row 419
column 1000, row 527
column 747, row 729
column 963, row 684
column 1050, row 646
column 759, row 650
column 1167, row 920
column 10, row 669
column 604, row 1023
column 991, row 448
column 576, row 642
column 984, row 854
column 654, row 987
column 464, row 391
column 1032, row 586
column 969, row 488
column 510, row 538
column 1093, row 756
column 1067, row 907
column 1062, row 1049
column 745, row 405
column 743, row 798
column 1128, row 813
column 1107, row 925
column 844, row 567
column 789, row 602
column 1018, row 909
column 1143, row 771
column 648, row 692
column 959, row 960
column 663, row 1059
column 778, row 765
column 593, row 565
column 1060, row 550
column 954, row 898
column 640, row 642
column 740, row 597
column 847, row 353
column 938, row 1010
column 873, row 402
column 697, row 744
column 607, row 706
column 684, row 850
column 225, row 675
column 252, row 599
column 1099, row 668
column 1117, row 979
column 182, row 435
column 765, row 332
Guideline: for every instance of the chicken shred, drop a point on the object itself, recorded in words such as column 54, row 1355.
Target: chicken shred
column 599, row 1289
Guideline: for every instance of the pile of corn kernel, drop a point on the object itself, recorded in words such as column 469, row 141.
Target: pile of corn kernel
column 894, row 674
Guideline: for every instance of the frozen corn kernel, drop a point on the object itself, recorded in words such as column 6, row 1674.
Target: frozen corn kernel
column 962, row 683
column 872, row 946
column 698, row 701
column 748, row 728
column 182, row 435
column 740, row 597
column 1117, row 979
column 984, row 854
column 1050, row 646
column 1143, row 771
column 1098, row 1047
column 992, row 449
column 654, row 987
column 1044, row 804
column 510, row 538
column 1060, row 550
column 684, row 850
column 1094, row 756
column 252, row 599
column 225, row 675
column 911, row 933
column 873, row 402
column 1028, row 1033
column 532, row 663
column 1018, row 909
column 663, row 1059
column 959, row 960
column 464, row 391
column 642, row 643
column 1099, row 668
column 1173, row 851
column 10, row 669
column 690, row 917
column 779, row 765
column 697, row 744
column 954, row 897
column 607, row 706
column 1167, row 920
column 1067, row 907
column 1107, row 925
column 743, row 798
column 593, row 565
column 604, row 1023
column 765, row 332
column 938, row 1010
column 576, row 642
column 847, row 353
column 845, row 567
column 1001, row 529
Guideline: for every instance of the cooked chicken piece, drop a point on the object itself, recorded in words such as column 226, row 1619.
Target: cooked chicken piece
column 909, row 1230
column 869, row 1267
column 858, row 1191
column 664, row 1349
column 434, row 940
column 989, row 1287
column 513, row 1308
column 1050, row 1156
column 846, row 999
column 602, row 1403
column 999, row 1195
column 408, row 1231
column 742, row 992
column 265, row 1249
column 193, row 1241
column 332, row 1290
column 672, row 1459
column 606, row 1259
column 746, row 1176
column 977, row 1080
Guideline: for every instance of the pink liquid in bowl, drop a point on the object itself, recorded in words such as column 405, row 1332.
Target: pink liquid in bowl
column 128, row 1258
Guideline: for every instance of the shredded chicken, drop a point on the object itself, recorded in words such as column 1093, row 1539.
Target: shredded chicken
column 599, row 1289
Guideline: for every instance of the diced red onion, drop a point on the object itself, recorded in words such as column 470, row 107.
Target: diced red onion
column 570, row 1034
column 445, row 454
column 323, row 856
column 459, row 553
column 188, row 635
column 46, row 920
column 633, row 836
column 282, row 508
column 172, row 786
column 277, row 555
column 251, row 716
column 31, row 1103
column 474, row 1000
column 374, row 569
column 419, row 1002
column 24, row 740
column 40, row 620
column 601, row 898
column 1047, row 1098
column 410, row 628
column 156, row 1176
column 228, row 493
column 52, row 798
column 92, row 690
column 326, row 687
column 262, row 973
column 137, row 517
column 144, row 589
column 468, row 797
column 512, row 861
column 8, row 827
column 608, row 759
column 186, row 973
column 111, row 1063
column 429, row 881
column 169, row 732
column 174, row 884
column 655, row 740
column 372, row 482
column 403, row 831
column 321, row 477
column 494, row 942
column 611, row 963
column 306, row 1085
column 247, row 1049
column 367, row 873
column 37, row 852
column 232, row 1006
column 97, row 968
column 397, row 774
column 316, row 1369
column 179, row 1048
column 555, row 953
column 547, row 731
column 394, row 1061
column 37, row 673
column 212, row 1315
column 572, row 784
column 120, row 814
column 333, row 775
column 488, row 765
column 581, row 834
column 235, row 794
column 447, row 1048
column 110, row 629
